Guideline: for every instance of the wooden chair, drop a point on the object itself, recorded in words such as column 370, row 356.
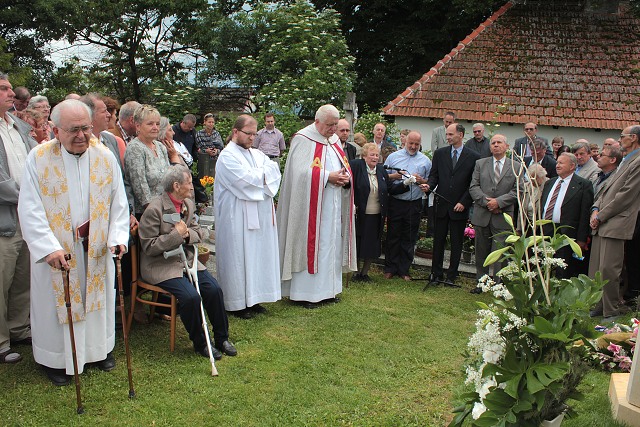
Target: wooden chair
column 139, row 289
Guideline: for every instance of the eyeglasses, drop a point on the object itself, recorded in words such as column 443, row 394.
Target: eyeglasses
column 529, row 129
column 622, row 135
column 477, row 131
column 249, row 134
column 42, row 107
column 76, row 129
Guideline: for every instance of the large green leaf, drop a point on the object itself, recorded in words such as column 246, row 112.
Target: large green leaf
column 495, row 255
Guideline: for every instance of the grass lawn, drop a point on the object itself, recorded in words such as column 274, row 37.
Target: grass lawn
column 387, row 355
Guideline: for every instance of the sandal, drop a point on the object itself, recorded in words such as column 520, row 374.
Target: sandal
column 10, row 357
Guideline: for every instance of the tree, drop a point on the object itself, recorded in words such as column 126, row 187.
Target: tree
column 394, row 42
column 145, row 43
column 302, row 60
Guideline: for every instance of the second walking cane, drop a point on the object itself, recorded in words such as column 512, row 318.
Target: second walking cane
column 132, row 392
column 67, row 302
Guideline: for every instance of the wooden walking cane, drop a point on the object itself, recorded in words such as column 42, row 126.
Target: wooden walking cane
column 67, row 302
column 132, row 392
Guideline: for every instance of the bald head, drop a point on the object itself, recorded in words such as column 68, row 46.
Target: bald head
column 344, row 130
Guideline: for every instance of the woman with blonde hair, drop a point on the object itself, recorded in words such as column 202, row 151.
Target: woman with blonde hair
column 147, row 159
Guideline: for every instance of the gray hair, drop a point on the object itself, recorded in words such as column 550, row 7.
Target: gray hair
column 327, row 111
column 68, row 104
column 90, row 99
column 537, row 172
column 636, row 131
column 4, row 76
column 164, row 126
column 478, row 125
column 580, row 145
column 571, row 157
column 175, row 173
column 189, row 118
column 127, row 110
column 540, row 143
column 22, row 93
column 37, row 99
column 144, row 111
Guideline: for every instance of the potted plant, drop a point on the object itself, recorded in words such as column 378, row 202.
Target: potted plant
column 424, row 247
column 207, row 182
column 524, row 363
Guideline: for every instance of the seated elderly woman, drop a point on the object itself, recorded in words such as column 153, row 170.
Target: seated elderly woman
column 158, row 236
column 147, row 160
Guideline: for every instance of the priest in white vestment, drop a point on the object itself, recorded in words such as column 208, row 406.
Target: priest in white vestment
column 315, row 215
column 247, row 258
column 67, row 182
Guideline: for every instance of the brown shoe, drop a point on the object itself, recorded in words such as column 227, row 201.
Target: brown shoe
column 388, row 275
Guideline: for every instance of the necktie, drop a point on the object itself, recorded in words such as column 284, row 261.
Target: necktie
column 454, row 160
column 552, row 202
column 498, row 171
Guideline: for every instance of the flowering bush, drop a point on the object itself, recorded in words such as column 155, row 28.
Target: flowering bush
column 614, row 349
column 207, row 182
column 523, row 364
column 470, row 234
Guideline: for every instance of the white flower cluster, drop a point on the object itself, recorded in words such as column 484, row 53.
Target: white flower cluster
column 545, row 251
column 514, row 322
column 498, row 289
column 510, row 272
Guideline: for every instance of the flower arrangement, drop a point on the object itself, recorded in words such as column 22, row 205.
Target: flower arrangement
column 207, row 182
column 470, row 234
column 614, row 349
column 524, row 363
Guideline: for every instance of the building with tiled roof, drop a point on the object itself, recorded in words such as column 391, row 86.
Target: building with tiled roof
column 569, row 66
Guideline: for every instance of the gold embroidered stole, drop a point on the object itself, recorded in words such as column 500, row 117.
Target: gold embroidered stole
column 54, row 191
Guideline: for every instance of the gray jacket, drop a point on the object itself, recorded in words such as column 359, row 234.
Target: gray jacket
column 9, row 190
column 110, row 142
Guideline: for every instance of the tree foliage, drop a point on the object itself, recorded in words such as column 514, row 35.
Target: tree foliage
column 302, row 60
column 394, row 42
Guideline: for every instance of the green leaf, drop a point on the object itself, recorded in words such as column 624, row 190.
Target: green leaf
column 574, row 246
column 495, row 255
column 508, row 219
column 512, row 238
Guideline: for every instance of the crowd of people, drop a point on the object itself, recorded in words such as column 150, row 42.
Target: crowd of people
column 78, row 181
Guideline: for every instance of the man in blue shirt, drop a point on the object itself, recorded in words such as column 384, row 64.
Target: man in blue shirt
column 404, row 210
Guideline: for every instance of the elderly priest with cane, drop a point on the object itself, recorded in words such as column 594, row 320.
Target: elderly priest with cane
column 73, row 201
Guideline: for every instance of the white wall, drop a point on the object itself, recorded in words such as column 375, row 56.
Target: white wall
column 512, row 132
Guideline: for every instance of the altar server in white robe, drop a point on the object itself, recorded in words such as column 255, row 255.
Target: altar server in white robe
column 316, row 227
column 69, row 181
column 247, row 258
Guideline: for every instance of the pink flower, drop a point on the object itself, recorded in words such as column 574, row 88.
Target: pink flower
column 614, row 348
column 470, row 233
column 625, row 363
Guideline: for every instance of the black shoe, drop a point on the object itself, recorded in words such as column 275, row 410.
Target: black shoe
column 107, row 364
column 243, row 314
column 24, row 341
column 204, row 352
column 597, row 312
column 434, row 279
column 309, row 305
column 227, row 348
column 366, row 278
column 334, row 300
column 476, row 290
column 357, row 277
column 258, row 309
column 58, row 377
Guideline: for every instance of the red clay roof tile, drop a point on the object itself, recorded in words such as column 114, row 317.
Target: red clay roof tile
column 554, row 64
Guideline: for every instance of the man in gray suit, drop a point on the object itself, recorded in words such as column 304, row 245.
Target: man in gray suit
column 438, row 137
column 612, row 216
column 494, row 192
column 15, row 144
column 587, row 167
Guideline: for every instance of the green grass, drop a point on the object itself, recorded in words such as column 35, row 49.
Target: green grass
column 387, row 355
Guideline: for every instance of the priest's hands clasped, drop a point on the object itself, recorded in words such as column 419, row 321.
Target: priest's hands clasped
column 339, row 178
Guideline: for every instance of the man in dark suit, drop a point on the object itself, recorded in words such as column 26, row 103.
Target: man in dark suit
column 523, row 147
column 566, row 200
column 540, row 155
column 494, row 193
column 451, row 172
column 343, row 132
